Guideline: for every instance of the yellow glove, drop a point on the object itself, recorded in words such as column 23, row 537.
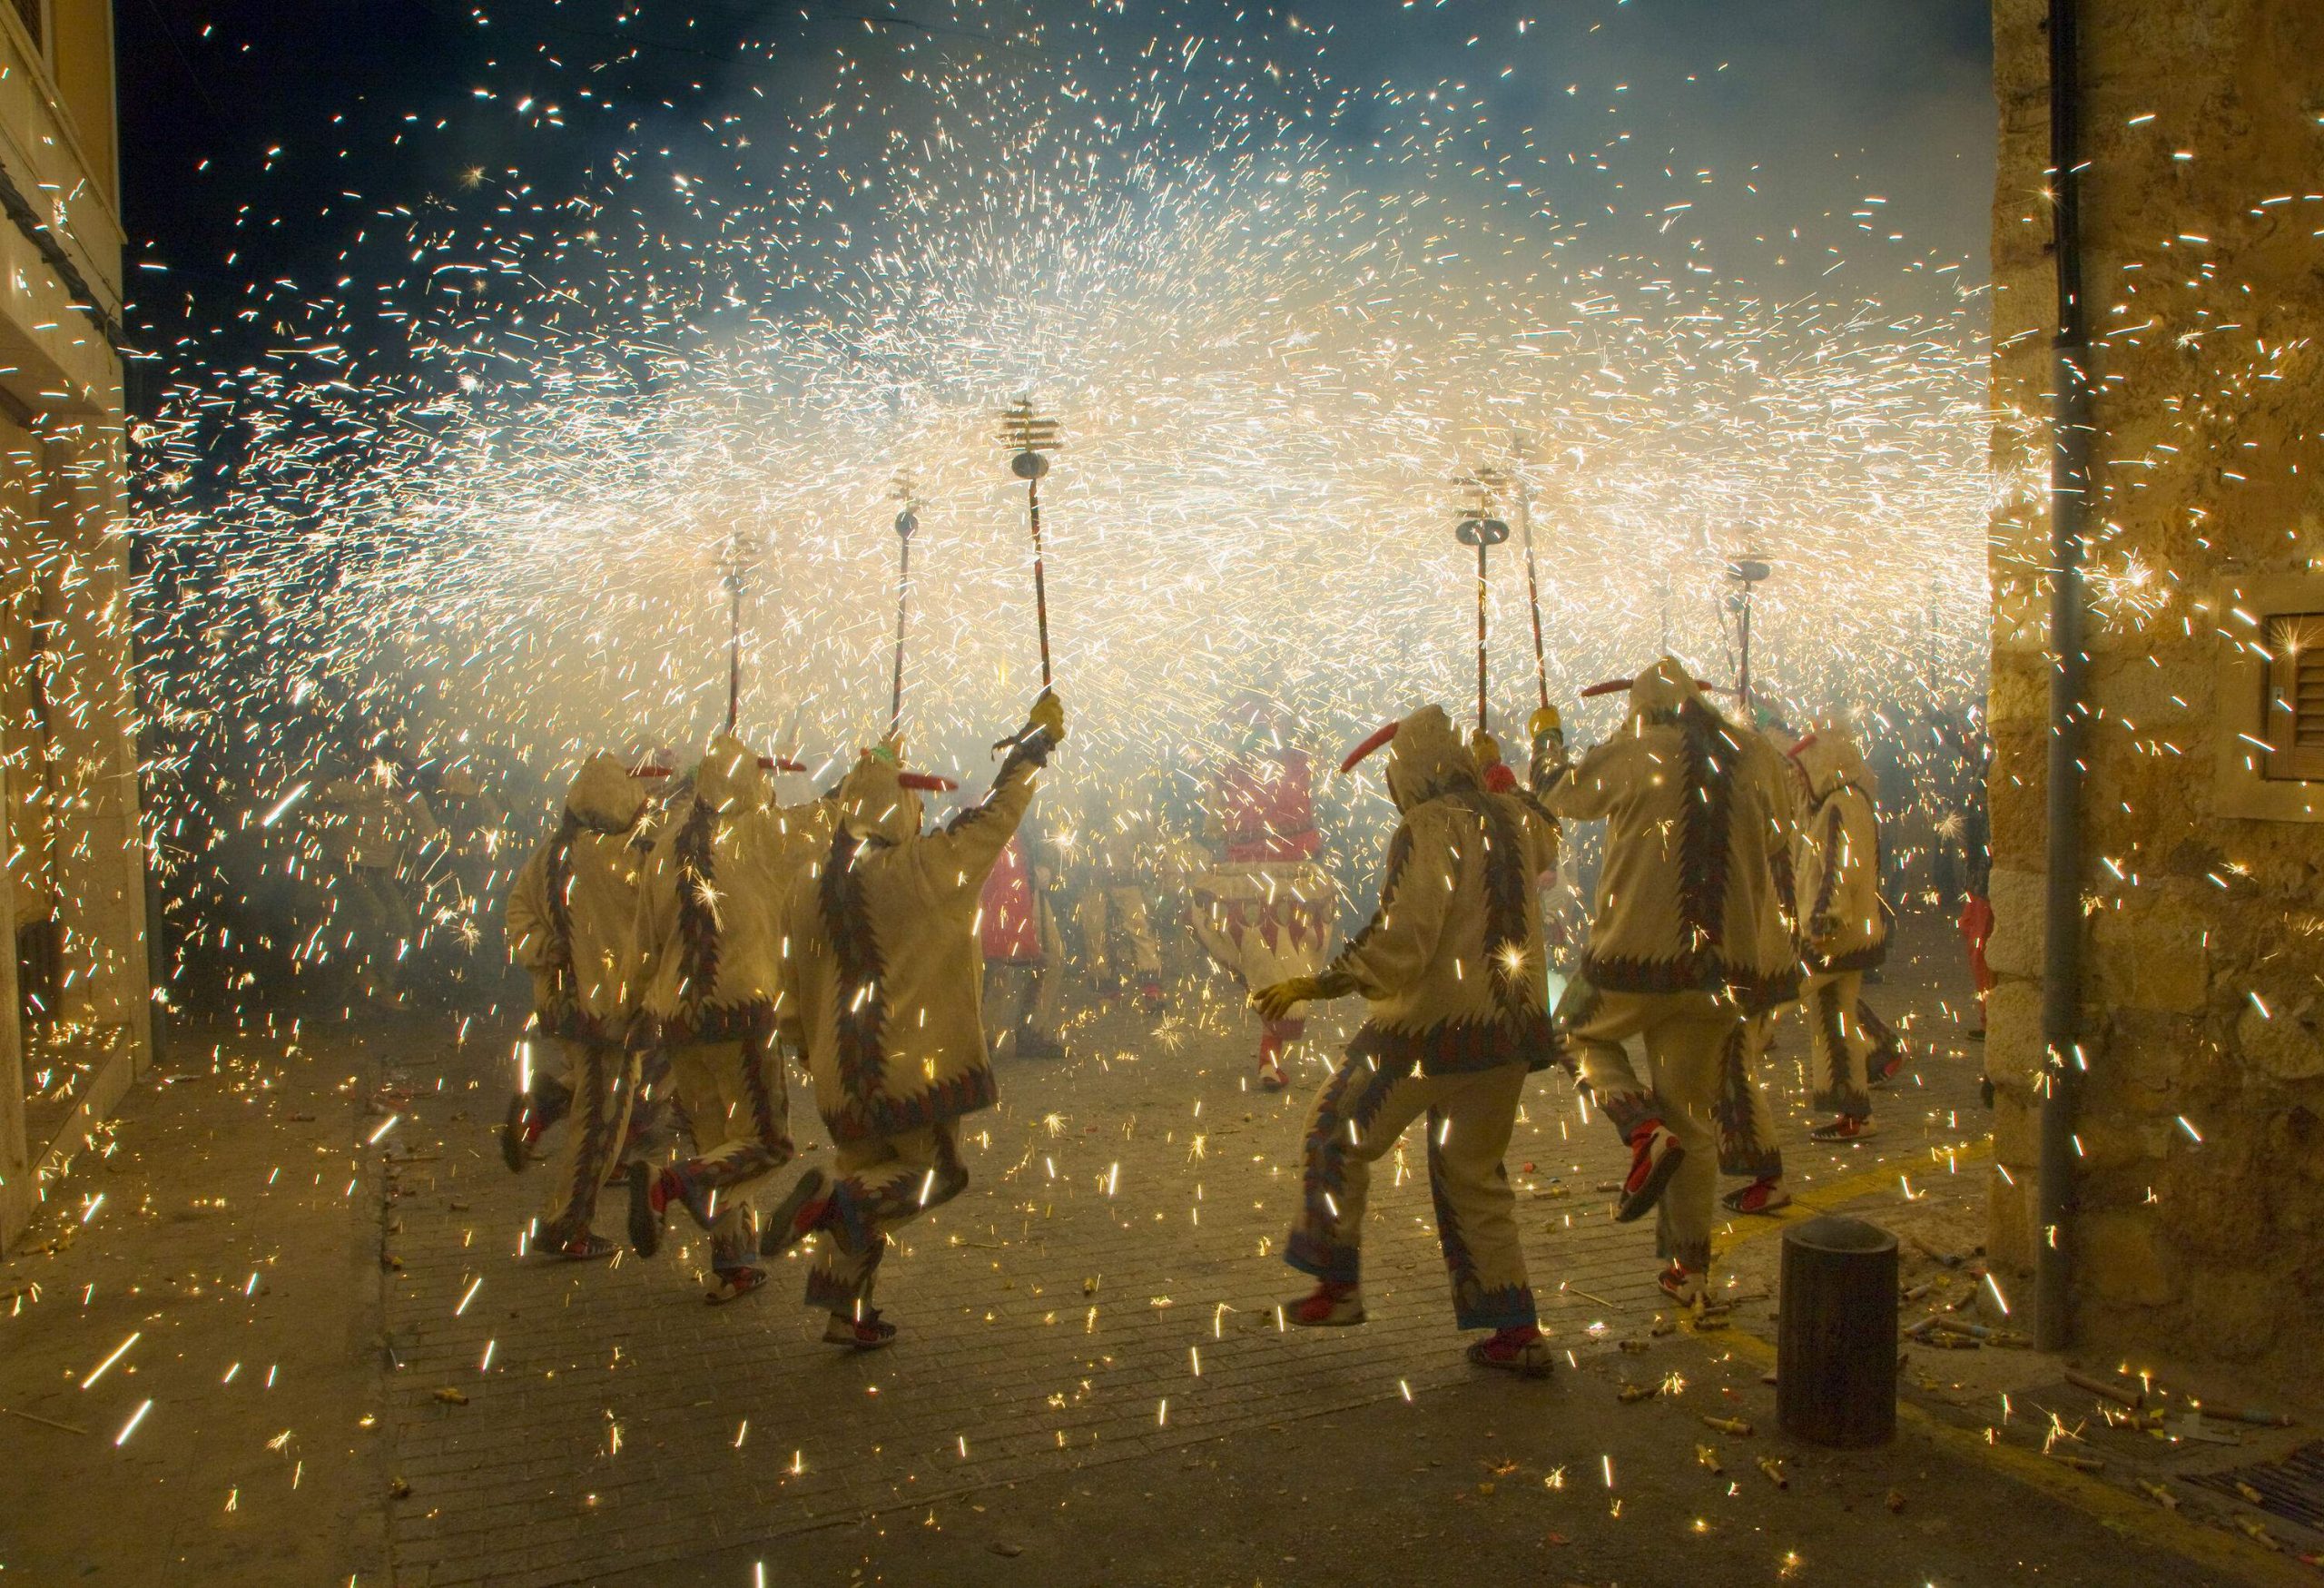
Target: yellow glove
column 1276, row 1002
column 1545, row 721
column 1048, row 715
column 1484, row 747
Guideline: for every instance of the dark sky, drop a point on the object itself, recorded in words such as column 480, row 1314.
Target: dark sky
column 269, row 132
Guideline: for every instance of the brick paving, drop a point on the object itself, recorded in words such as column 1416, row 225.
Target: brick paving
column 1103, row 1291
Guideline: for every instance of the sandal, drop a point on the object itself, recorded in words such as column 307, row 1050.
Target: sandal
column 802, row 1211
column 1520, row 1351
column 584, row 1247
column 1846, row 1127
column 868, row 1333
column 1763, row 1195
column 733, row 1284
column 1655, row 1156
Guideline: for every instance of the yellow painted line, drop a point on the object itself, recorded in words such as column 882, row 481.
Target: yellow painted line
column 1836, row 1194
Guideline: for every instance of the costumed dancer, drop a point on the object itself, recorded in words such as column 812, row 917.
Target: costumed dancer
column 708, row 971
column 1456, row 1016
column 1747, row 1148
column 1844, row 926
column 368, row 829
column 1116, row 930
column 1686, row 938
column 1264, row 910
column 1024, row 956
column 571, row 913
column 884, row 979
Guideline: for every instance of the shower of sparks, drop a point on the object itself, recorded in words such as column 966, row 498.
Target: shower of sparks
column 471, row 516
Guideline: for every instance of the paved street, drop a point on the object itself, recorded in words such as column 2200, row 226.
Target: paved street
column 1087, row 1322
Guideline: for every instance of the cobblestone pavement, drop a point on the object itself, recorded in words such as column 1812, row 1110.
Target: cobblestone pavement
column 1104, row 1291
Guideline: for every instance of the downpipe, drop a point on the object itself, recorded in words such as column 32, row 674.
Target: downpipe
column 2061, row 929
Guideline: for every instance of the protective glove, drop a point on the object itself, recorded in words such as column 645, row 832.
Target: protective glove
column 1276, row 1002
column 1047, row 715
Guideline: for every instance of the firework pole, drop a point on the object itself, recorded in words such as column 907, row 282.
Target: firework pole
column 1746, row 571
column 740, row 551
column 1478, row 527
column 1524, row 491
column 1029, row 437
column 906, row 521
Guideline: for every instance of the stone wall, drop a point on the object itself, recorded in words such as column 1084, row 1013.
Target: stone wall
column 2201, row 1187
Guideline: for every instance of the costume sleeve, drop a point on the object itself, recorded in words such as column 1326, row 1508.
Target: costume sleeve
column 531, row 928
column 1392, row 952
column 1590, row 785
column 957, row 859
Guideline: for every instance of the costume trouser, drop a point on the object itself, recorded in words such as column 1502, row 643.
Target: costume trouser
column 1021, row 995
column 1837, row 1041
column 602, row 1082
column 1686, row 1036
column 1107, row 914
column 879, row 1183
column 734, row 1099
column 1747, row 1125
column 1361, row 1111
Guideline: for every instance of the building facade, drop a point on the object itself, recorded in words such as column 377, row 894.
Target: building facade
column 2194, row 1226
column 75, row 908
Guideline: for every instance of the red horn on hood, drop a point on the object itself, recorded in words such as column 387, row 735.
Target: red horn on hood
column 926, row 781
column 650, row 770
column 781, row 764
column 1379, row 737
column 1802, row 744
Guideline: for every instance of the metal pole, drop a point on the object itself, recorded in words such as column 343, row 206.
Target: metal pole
column 1481, row 637
column 1532, row 587
column 904, row 590
column 1743, row 672
column 2070, row 428
column 735, row 645
column 1041, row 580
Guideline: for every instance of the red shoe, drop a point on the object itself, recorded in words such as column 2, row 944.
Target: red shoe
column 1846, row 1127
column 1521, row 1351
column 868, row 1333
column 583, row 1248
column 1761, row 1195
column 1655, row 1156
column 1149, row 993
column 1885, row 1064
column 1328, row 1305
column 1272, row 1078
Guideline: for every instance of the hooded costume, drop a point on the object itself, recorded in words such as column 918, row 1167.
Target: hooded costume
column 1844, row 923
column 1687, row 938
column 1117, row 933
column 707, row 969
column 1023, row 958
column 887, row 977
column 1450, row 969
column 1264, row 910
column 571, row 913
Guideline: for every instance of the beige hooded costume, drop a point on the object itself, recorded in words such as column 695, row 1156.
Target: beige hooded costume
column 887, row 970
column 1687, row 936
column 1450, row 968
column 570, row 916
column 1844, row 923
column 708, row 974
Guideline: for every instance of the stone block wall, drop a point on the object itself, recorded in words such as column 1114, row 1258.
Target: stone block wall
column 2200, row 1234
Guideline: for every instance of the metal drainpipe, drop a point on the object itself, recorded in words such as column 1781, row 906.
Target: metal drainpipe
column 2069, row 504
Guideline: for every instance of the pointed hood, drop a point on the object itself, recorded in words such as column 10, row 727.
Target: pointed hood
column 1829, row 759
column 873, row 801
column 730, row 780
column 605, row 798
column 1426, row 758
column 1664, row 690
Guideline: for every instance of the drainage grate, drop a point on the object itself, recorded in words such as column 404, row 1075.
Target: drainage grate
column 2293, row 1488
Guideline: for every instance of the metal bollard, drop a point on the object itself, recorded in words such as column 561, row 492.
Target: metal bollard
column 1835, row 1339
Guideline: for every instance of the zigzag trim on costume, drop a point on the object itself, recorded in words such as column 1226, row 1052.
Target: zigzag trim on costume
column 1691, row 973
column 861, row 1018
column 1506, row 885
column 751, row 1021
column 1314, row 1247
column 1704, row 815
column 1458, row 1047
column 965, row 1093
